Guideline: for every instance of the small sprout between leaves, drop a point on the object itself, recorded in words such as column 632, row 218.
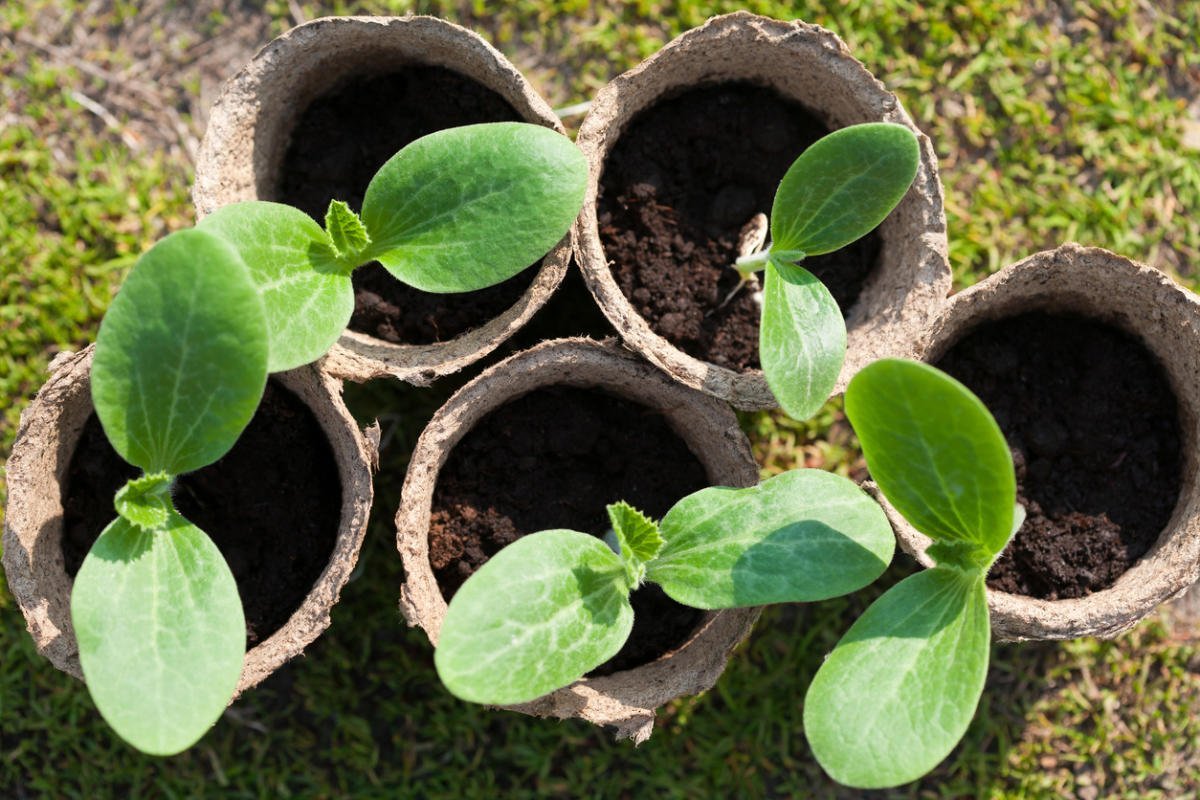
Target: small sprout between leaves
column 146, row 501
column 347, row 234
column 638, row 539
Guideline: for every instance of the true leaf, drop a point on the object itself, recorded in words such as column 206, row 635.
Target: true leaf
column 637, row 537
column 160, row 630
column 801, row 536
column 901, row 687
column 306, row 291
column 181, row 357
column 843, row 186
column 536, row 617
column 466, row 208
column 346, row 231
column 938, row 456
column 802, row 340
column 146, row 501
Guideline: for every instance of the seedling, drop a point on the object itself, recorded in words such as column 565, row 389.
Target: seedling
column 901, row 687
column 554, row 605
column 836, row 192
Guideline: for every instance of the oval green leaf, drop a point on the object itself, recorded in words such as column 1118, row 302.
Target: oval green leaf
column 466, row 208
column 801, row 340
column 899, row 690
column 843, row 186
column 801, row 536
column 306, row 292
column 181, row 357
column 161, row 632
column 536, row 617
column 938, row 456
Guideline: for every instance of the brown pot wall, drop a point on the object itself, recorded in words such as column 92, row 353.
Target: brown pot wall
column 626, row 700
column 813, row 66
column 1166, row 318
column 250, row 128
column 33, row 560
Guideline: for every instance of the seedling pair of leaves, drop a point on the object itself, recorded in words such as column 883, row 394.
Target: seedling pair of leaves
column 182, row 359
column 836, row 192
column 554, row 605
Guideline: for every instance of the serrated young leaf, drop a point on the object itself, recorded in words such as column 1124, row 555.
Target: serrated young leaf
column 536, row 617
column 938, row 456
column 346, row 232
column 181, row 357
column 801, row 536
column 899, row 690
column 306, row 292
column 637, row 537
column 160, row 631
column 802, row 340
column 146, row 501
column 466, row 208
column 843, row 186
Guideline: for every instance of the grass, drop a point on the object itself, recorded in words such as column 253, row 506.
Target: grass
column 1053, row 121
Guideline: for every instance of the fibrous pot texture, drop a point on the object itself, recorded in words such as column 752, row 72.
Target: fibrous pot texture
column 625, row 699
column 1099, row 286
column 249, row 133
column 49, row 431
column 813, row 67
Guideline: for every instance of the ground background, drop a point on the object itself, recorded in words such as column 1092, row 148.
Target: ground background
column 1052, row 120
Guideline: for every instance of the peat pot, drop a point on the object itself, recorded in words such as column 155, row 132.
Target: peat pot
column 545, row 439
column 287, row 506
column 686, row 148
column 312, row 118
column 1091, row 365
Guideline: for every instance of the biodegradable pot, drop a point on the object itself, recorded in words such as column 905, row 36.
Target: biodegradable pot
column 625, row 700
column 1143, row 302
column 813, row 66
column 249, row 131
column 33, row 526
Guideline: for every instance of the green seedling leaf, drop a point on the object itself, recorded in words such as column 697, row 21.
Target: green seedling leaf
column 346, row 232
column 146, row 501
column 466, row 208
column 305, row 289
column 843, row 186
column 900, row 689
column 638, row 538
column 181, row 357
column 801, row 536
column 939, row 457
column 536, row 617
column 161, row 633
column 801, row 340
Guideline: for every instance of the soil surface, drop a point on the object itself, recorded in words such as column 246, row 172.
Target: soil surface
column 272, row 505
column 555, row 458
column 684, row 178
column 1094, row 428
column 340, row 142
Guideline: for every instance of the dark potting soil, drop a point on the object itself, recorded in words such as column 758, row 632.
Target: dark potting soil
column 1094, row 427
column 555, row 458
column 272, row 505
column 684, row 178
column 340, row 142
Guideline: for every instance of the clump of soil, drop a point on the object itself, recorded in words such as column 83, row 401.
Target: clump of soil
column 684, row 178
column 272, row 505
column 340, row 142
column 1094, row 427
column 555, row 458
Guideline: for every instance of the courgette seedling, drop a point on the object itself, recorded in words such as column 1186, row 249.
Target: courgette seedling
column 899, row 690
column 182, row 359
column 554, row 605
column 836, row 192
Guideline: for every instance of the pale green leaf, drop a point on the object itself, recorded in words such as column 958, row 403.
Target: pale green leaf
column 346, row 232
column 843, row 186
column 146, row 501
column 801, row 340
column 637, row 536
column 161, row 633
column 899, row 690
column 536, row 617
column 801, row 536
column 938, row 456
column 306, row 292
column 181, row 357
column 469, row 207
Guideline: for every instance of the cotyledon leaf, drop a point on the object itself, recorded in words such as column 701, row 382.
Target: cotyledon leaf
column 536, row 617
column 160, row 630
